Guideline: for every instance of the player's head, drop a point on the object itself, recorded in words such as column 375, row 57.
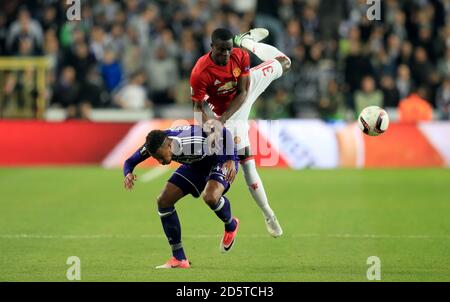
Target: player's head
column 159, row 146
column 221, row 46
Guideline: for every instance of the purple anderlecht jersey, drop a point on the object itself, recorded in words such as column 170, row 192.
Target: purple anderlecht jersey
column 190, row 147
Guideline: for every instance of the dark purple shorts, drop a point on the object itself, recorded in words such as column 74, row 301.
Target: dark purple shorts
column 192, row 179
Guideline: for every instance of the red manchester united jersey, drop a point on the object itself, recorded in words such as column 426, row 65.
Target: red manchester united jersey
column 217, row 84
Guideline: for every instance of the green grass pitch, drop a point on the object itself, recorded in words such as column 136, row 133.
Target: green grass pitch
column 333, row 221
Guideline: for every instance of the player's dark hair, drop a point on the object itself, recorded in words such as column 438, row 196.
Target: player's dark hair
column 221, row 34
column 154, row 140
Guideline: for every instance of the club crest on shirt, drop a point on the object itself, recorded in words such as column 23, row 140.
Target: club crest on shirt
column 236, row 72
column 237, row 140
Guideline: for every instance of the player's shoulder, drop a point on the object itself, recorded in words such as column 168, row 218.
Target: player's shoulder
column 143, row 151
column 202, row 63
column 238, row 52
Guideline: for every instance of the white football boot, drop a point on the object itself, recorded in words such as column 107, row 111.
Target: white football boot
column 273, row 226
column 256, row 34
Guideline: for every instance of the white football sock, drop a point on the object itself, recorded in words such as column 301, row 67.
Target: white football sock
column 256, row 187
column 263, row 51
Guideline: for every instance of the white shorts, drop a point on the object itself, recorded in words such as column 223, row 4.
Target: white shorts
column 260, row 78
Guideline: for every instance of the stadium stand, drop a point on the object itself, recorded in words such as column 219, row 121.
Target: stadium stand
column 92, row 61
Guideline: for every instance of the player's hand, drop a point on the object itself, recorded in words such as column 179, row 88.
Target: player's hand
column 212, row 125
column 229, row 169
column 213, row 142
column 221, row 121
column 129, row 180
column 214, row 129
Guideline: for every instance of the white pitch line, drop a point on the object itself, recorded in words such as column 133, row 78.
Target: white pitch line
column 375, row 236
column 154, row 173
column 144, row 236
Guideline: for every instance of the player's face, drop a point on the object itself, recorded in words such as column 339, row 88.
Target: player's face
column 164, row 153
column 221, row 51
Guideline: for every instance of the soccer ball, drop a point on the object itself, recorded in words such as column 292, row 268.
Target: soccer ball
column 373, row 120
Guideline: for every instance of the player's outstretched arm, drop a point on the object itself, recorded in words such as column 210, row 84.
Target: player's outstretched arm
column 139, row 156
column 236, row 103
column 129, row 180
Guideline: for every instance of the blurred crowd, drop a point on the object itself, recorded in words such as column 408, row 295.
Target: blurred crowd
column 138, row 54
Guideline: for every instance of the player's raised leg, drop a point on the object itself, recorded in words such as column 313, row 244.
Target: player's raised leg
column 213, row 196
column 250, row 41
column 261, row 76
column 171, row 225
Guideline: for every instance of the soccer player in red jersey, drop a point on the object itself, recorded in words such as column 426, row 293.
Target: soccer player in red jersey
column 223, row 78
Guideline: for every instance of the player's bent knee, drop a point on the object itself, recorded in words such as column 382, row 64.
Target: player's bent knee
column 163, row 202
column 285, row 63
column 210, row 198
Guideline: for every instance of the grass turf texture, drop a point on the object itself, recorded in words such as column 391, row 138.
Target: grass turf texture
column 333, row 221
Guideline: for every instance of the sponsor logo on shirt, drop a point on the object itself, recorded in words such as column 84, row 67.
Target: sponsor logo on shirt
column 227, row 87
column 217, row 82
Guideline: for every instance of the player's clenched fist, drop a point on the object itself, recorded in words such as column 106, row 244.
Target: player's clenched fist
column 129, row 181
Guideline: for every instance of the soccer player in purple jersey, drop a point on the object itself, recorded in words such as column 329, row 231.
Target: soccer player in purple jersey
column 205, row 169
